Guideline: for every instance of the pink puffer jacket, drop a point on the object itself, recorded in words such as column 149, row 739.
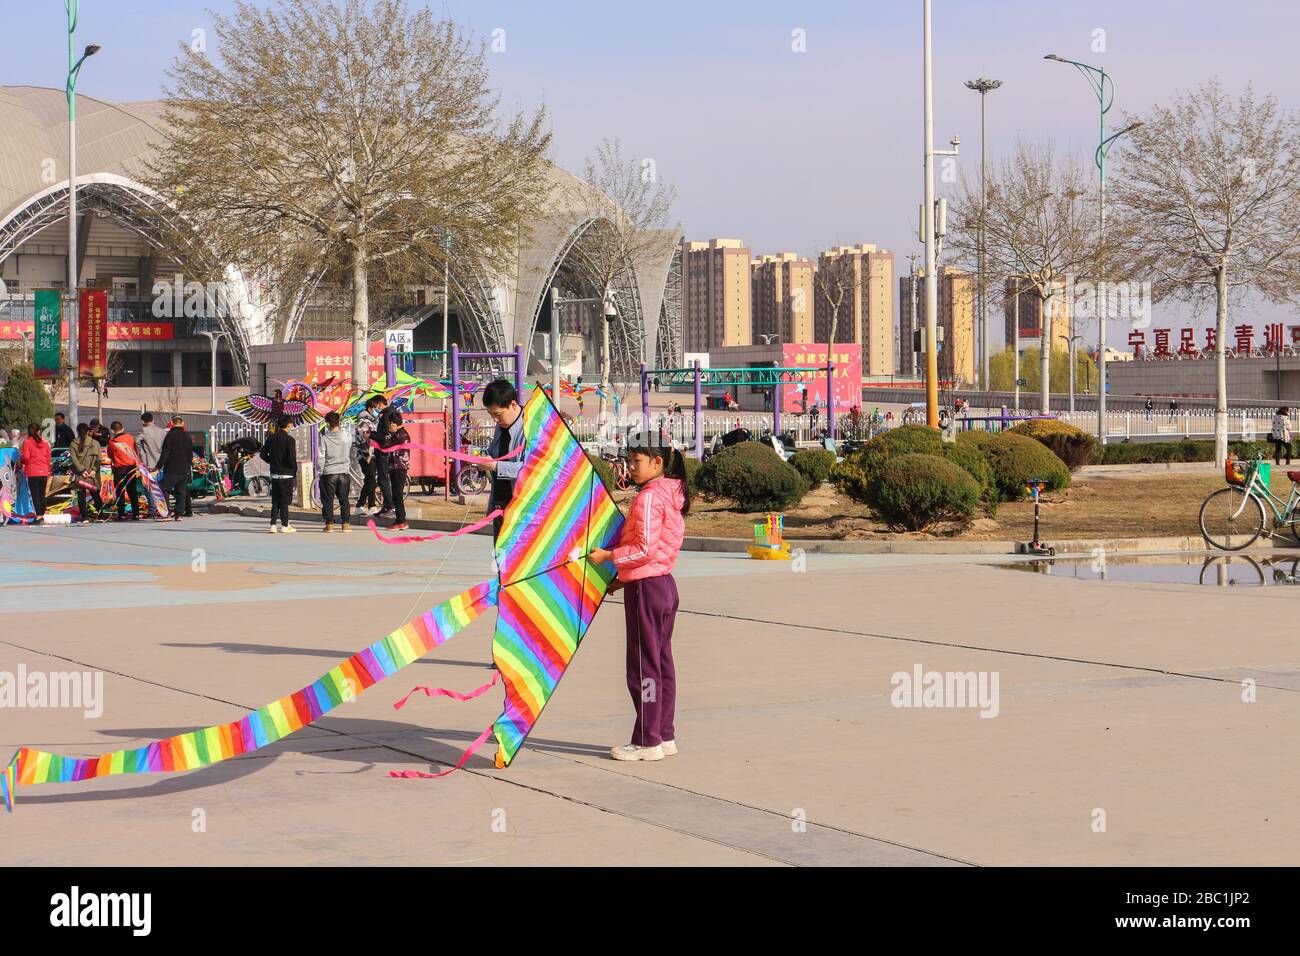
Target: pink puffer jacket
column 653, row 533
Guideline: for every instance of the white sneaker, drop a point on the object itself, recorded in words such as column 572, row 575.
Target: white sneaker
column 288, row 529
column 633, row 752
column 275, row 528
column 669, row 747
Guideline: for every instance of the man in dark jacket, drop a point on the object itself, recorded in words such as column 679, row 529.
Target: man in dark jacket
column 281, row 453
column 174, row 462
column 63, row 433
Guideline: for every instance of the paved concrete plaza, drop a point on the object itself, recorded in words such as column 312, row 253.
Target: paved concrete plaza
column 1118, row 702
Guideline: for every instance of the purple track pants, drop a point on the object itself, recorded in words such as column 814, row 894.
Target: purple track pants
column 650, row 606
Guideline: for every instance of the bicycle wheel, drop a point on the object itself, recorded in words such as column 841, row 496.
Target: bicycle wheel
column 259, row 486
column 1231, row 519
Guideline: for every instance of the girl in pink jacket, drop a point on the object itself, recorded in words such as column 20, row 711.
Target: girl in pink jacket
column 644, row 559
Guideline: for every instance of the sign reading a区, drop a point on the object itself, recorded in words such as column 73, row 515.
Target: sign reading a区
column 47, row 331
column 92, row 333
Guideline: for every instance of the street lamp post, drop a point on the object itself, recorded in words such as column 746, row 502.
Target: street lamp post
column 1098, row 78
column 212, row 338
column 74, row 68
column 983, row 86
column 1069, row 341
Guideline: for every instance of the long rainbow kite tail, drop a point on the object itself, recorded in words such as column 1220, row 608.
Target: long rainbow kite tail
column 275, row 721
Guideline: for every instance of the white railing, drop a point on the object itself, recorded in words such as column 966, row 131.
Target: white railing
column 1247, row 424
column 223, row 432
column 682, row 427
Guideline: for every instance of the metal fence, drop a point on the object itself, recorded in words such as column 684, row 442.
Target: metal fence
column 1248, row 424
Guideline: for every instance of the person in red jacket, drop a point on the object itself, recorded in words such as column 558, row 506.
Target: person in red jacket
column 35, row 461
column 644, row 559
column 126, row 486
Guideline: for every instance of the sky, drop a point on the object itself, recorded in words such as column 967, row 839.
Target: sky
column 792, row 126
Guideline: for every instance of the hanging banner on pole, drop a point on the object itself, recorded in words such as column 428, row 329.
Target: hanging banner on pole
column 92, row 333
column 47, row 332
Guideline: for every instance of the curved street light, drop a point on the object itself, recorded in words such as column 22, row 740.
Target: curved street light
column 74, row 69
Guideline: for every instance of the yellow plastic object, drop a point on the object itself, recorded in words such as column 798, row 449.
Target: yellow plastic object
column 763, row 553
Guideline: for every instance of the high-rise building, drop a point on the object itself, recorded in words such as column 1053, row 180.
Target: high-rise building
column 956, row 316
column 782, row 298
column 715, row 294
column 861, row 279
column 1031, row 310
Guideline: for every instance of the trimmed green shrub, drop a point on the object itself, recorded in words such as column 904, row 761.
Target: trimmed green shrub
column 912, row 492
column 753, row 476
column 814, row 464
column 977, row 438
column 605, row 471
column 693, row 466
column 1072, row 445
column 969, row 458
column 23, row 400
column 1158, row 452
column 853, row 474
column 1015, row 459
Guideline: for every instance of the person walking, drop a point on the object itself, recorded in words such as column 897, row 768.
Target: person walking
column 1173, row 408
column 175, row 461
column 367, row 422
column 337, row 452
column 281, row 453
column 125, row 462
column 643, row 560
column 35, row 461
column 1150, row 406
column 1281, row 435
column 394, row 461
column 86, row 455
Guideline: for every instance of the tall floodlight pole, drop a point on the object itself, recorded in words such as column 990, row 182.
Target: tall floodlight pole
column 1099, row 79
column 74, row 67
column 927, row 221
column 983, row 86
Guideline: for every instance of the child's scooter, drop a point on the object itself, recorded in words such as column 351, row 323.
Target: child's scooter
column 1036, row 546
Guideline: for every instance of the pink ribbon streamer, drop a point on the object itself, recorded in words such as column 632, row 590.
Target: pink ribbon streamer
column 453, row 694
column 420, row 774
column 407, row 539
column 446, row 452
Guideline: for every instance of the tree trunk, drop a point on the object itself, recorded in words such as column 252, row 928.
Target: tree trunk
column 1045, row 359
column 360, row 321
column 1221, row 368
column 602, row 415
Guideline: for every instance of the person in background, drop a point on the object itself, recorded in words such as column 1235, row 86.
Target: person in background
column 337, row 452
column 281, row 453
column 125, row 462
column 394, row 462
column 1281, row 435
column 1173, row 408
column 35, row 461
column 1150, row 408
column 86, row 455
column 367, row 422
column 99, row 432
column 501, row 401
column 148, row 444
column 63, row 435
column 175, row 461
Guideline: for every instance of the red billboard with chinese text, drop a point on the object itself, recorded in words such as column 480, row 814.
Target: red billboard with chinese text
column 848, row 376
column 326, row 360
column 92, row 333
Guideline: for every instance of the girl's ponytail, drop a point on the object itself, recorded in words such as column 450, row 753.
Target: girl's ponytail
column 676, row 468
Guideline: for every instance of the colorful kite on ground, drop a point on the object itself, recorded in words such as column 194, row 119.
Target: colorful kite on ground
column 547, row 592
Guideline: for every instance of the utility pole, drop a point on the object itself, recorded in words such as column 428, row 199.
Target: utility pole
column 74, row 69
column 912, row 324
column 928, row 227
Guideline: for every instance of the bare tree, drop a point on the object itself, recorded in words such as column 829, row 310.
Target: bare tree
column 362, row 129
column 838, row 282
column 623, row 211
column 1209, row 198
column 1040, row 230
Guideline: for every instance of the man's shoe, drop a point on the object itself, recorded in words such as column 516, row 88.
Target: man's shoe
column 669, row 748
column 398, row 526
column 345, row 528
column 275, row 529
column 288, row 529
column 633, row 752
column 328, row 527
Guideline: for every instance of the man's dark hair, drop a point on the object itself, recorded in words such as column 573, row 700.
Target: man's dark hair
column 283, row 422
column 58, row 416
column 332, row 419
column 373, row 401
column 147, row 418
column 499, row 394
column 115, row 427
column 82, row 428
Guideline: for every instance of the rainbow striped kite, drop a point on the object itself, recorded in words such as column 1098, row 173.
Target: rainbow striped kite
column 547, row 592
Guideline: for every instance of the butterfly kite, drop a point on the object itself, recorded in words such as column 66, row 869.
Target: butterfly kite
column 546, row 593
column 261, row 410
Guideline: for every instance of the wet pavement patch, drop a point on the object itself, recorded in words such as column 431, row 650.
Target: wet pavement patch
column 1210, row 569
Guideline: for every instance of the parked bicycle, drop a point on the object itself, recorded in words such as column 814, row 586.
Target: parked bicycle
column 1232, row 518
